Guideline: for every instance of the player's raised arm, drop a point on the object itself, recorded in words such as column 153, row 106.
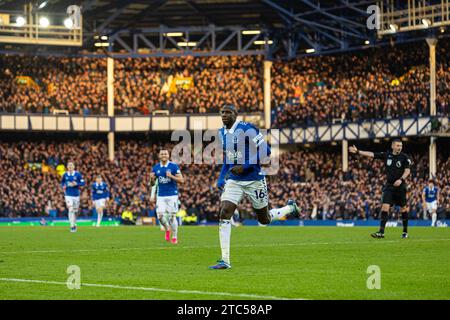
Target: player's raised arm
column 354, row 149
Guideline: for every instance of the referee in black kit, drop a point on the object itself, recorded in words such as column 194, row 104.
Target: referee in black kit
column 397, row 166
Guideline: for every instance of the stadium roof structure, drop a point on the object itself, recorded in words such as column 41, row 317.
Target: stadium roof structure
column 286, row 28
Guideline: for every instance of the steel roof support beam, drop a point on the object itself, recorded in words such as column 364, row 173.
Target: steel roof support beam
column 354, row 8
column 330, row 15
column 310, row 23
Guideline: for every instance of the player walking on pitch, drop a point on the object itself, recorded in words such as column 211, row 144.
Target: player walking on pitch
column 430, row 198
column 244, row 150
column 397, row 166
column 71, row 183
column 168, row 175
column 100, row 196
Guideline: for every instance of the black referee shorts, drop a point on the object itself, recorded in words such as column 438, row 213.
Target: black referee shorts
column 394, row 196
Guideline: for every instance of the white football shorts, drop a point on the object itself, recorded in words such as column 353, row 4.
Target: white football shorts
column 431, row 206
column 72, row 202
column 100, row 203
column 256, row 192
column 168, row 204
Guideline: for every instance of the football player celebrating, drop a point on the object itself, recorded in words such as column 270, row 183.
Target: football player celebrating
column 244, row 151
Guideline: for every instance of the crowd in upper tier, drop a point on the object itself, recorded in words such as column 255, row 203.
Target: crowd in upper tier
column 31, row 173
column 372, row 83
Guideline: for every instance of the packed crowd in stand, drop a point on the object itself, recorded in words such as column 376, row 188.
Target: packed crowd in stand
column 373, row 83
column 31, row 182
column 142, row 86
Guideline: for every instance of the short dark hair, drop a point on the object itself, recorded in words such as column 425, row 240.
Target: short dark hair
column 396, row 140
column 229, row 106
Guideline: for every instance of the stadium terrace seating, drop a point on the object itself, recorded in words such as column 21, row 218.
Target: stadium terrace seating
column 30, row 181
column 373, row 83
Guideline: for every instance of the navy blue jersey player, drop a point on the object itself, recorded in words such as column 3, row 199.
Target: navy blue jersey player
column 100, row 197
column 244, row 151
column 430, row 197
column 71, row 183
column 167, row 174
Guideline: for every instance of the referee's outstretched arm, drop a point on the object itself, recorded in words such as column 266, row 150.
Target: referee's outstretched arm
column 354, row 149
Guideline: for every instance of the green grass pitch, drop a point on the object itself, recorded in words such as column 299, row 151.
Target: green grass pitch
column 272, row 262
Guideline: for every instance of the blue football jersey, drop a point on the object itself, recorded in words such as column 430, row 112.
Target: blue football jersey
column 100, row 191
column 72, row 177
column 166, row 186
column 244, row 145
column 430, row 194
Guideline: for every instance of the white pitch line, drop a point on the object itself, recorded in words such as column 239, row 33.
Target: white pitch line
column 111, row 286
column 215, row 246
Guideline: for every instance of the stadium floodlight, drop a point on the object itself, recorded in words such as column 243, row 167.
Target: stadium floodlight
column 174, row 34
column 312, row 50
column 44, row 22
column 426, row 23
column 367, row 42
column 104, row 37
column 248, row 32
column 258, row 42
column 442, row 29
column 393, row 27
column 68, row 23
column 20, row 21
column 187, row 44
column 42, row 5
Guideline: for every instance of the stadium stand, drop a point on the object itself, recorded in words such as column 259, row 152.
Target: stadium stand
column 30, row 178
column 375, row 83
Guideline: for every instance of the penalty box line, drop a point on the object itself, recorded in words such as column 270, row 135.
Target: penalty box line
column 215, row 246
column 111, row 286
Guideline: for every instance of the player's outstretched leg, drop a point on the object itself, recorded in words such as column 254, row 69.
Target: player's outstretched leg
column 174, row 227
column 266, row 216
column 227, row 209
column 279, row 213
